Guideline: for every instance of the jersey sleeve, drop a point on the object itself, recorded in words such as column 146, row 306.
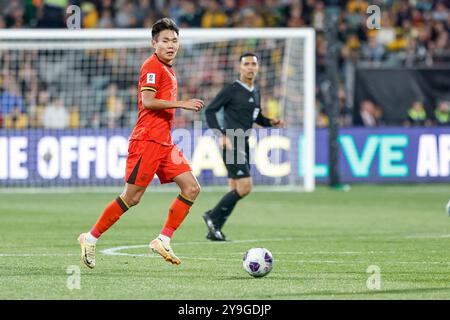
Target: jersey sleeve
column 261, row 120
column 220, row 100
column 150, row 77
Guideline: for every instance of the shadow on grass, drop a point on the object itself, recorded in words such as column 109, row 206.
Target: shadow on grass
column 365, row 293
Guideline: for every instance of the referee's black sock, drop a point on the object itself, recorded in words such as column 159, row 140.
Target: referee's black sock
column 220, row 213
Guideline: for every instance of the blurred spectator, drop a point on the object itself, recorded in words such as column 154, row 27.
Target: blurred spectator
column 131, row 106
column 14, row 15
column 399, row 43
column 442, row 113
column 114, row 107
column 213, row 16
column 231, row 10
column 417, row 115
column 106, row 19
column 357, row 6
column 126, row 17
column 403, row 13
column 273, row 104
column 295, row 19
column 190, row 15
column 371, row 115
column 345, row 112
column 94, row 120
column 353, row 42
column 439, row 46
column 51, row 13
column 417, row 18
column 107, row 14
column 90, row 15
column 272, row 13
column 373, row 51
column 273, row 107
column 74, row 117
column 322, row 119
column 440, row 12
column 37, row 111
column 16, row 119
column 144, row 11
column 10, row 98
column 12, row 107
column 308, row 8
column 56, row 115
column 250, row 18
column 417, row 50
column 319, row 16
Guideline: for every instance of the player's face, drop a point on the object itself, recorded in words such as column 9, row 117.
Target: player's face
column 166, row 45
column 249, row 67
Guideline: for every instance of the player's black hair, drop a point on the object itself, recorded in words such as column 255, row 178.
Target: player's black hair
column 164, row 24
column 248, row 54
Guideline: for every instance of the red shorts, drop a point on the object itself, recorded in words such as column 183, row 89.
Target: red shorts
column 145, row 158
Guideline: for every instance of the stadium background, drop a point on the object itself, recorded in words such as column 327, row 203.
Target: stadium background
column 324, row 243
column 411, row 51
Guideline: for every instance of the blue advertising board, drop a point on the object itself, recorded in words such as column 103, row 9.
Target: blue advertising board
column 97, row 157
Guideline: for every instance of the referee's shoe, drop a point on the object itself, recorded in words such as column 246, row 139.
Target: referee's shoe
column 213, row 233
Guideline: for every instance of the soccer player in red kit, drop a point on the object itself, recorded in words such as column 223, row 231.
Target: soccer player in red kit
column 151, row 149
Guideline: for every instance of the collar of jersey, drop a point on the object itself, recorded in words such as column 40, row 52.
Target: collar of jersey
column 245, row 86
column 166, row 64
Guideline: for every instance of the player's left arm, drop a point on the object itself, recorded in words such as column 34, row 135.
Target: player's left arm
column 266, row 122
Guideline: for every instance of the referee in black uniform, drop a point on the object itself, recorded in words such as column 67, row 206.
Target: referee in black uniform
column 241, row 101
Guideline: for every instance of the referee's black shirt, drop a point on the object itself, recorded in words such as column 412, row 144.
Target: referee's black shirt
column 242, row 107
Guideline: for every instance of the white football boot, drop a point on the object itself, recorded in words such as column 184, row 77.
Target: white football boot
column 164, row 250
column 87, row 251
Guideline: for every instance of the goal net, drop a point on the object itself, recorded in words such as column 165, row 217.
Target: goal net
column 68, row 103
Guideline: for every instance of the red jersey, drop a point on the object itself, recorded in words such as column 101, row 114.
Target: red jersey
column 155, row 125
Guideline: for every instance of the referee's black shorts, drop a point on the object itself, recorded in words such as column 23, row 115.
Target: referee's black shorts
column 237, row 162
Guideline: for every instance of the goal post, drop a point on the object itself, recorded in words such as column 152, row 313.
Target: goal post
column 75, row 92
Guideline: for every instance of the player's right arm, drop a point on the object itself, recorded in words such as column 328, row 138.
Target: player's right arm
column 150, row 102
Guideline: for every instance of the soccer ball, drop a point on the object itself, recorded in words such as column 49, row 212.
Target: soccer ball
column 258, row 262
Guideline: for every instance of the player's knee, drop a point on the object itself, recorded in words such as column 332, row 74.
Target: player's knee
column 244, row 190
column 132, row 200
column 192, row 191
column 195, row 189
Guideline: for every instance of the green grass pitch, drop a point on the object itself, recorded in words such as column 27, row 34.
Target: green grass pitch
column 322, row 243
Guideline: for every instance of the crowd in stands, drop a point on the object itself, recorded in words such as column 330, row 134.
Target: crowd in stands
column 371, row 115
column 412, row 33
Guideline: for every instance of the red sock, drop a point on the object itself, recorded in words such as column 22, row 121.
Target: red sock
column 177, row 212
column 111, row 214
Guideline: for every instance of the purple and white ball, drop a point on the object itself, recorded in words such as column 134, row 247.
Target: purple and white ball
column 258, row 262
